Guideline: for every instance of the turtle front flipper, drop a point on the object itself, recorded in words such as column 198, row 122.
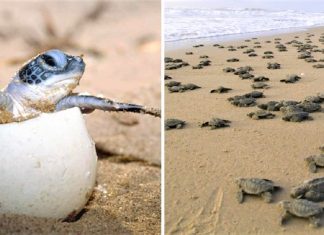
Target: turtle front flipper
column 314, row 221
column 240, row 196
column 312, row 167
column 88, row 103
column 267, row 196
column 284, row 216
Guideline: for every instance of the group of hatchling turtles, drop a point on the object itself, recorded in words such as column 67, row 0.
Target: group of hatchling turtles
column 305, row 197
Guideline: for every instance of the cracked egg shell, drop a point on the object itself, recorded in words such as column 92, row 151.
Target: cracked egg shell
column 48, row 165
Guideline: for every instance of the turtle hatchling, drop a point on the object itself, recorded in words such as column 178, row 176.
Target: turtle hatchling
column 255, row 186
column 312, row 190
column 303, row 209
column 291, row 79
column 315, row 161
column 221, row 89
column 261, row 114
column 45, row 84
column 259, row 85
column 174, row 124
column 216, row 123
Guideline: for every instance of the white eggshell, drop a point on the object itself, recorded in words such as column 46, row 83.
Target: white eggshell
column 47, row 165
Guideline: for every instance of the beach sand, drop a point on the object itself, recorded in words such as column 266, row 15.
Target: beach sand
column 121, row 46
column 202, row 164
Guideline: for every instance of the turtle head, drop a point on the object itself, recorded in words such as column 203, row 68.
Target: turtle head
column 298, row 192
column 309, row 159
column 51, row 69
column 284, row 205
column 239, row 181
column 46, row 78
column 43, row 81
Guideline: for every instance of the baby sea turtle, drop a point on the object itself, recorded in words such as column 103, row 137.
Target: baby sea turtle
column 260, row 114
column 233, row 60
column 312, row 190
column 259, row 85
column 221, row 89
column 45, row 84
column 183, row 87
column 254, row 94
column 267, row 57
column 228, row 70
column 172, row 83
column 271, row 106
column 260, row 79
column 216, row 123
column 253, row 55
column 273, row 66
column 293, row 113
column 315, row 161
column 174, row 124
column 243, row 70
column 246, row 76
column 296, row 116
column 167, row 77
column 309, row 107
column 255, row 186
column 248, row 51
column 242, row 101
column 318, row 66
column 314, row 99
column 301, row 208
column 291, row 79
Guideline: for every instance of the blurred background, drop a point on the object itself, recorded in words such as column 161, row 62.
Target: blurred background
column 120, row 41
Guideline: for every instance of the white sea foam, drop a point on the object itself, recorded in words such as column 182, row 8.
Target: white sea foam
column 181, row 24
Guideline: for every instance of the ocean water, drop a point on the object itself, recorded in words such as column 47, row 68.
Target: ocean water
column 192, row 24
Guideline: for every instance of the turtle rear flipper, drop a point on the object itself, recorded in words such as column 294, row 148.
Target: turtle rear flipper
column 240, row 196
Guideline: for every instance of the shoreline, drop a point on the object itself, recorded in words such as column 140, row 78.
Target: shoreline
column 170, row 46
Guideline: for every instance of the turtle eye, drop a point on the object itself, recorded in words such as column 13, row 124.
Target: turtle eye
column 49, row 60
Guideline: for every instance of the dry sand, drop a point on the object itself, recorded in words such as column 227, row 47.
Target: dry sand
column 121, row 46
column 201, row 164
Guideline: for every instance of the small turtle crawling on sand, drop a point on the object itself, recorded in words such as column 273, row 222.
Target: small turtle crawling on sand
column 259, row 85
column 261, row 114
column 232, row 60
column 216, row 123
column 242, row 101
column 221, row 89
column 273, row 66
column 228, row 70
column 45, row 84
column 312, row 190
column 296, row 116
column 301, row 208
column 293, row 113
column 291, row 79
column 260, row 79
column 315, row 161
column 174, row 124
column 255, row 186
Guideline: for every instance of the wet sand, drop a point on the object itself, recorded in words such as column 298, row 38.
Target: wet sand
column 120, row 42
column 202, row 164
